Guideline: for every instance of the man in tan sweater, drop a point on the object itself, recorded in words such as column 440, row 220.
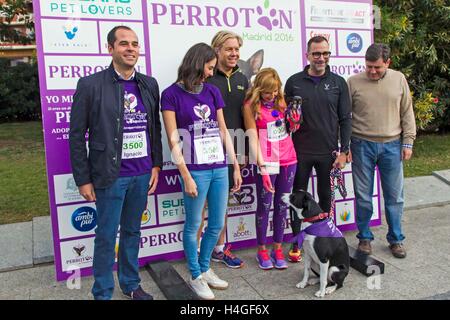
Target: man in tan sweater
column 383, row 133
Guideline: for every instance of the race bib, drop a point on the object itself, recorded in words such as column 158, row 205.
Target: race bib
column 134, row 145
column 208, row 150
column 275, row 133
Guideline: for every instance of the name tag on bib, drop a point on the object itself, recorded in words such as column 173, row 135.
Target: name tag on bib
column 275, row 133
column 134, row 145
column 208, row 150
column 271, row 168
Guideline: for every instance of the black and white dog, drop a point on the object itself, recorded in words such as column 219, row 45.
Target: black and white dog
column 323, row 244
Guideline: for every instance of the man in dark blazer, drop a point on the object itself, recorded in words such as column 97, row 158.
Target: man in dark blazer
column 119, row 109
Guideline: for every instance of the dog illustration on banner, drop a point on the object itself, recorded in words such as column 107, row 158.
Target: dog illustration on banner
column 252, row 65
column 324, row 246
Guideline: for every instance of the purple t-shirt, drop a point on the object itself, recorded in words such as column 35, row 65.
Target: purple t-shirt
column 316, row 79
column 196, row 116
column 136, row 152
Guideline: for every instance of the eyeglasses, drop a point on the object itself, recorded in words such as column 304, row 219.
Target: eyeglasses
column 316, row 55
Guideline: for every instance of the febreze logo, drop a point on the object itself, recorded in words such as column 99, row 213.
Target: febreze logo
column 84, row 219
column 213, row 16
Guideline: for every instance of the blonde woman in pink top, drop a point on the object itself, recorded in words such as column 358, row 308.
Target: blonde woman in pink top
column 273, row 152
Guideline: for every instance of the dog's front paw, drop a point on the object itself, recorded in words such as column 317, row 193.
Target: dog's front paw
column 320, row 294
column 302, row 284
column 330, row 290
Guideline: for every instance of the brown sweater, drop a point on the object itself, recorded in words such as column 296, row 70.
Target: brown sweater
column 382, row 110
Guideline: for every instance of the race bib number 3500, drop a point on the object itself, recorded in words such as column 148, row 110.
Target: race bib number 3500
column 134, row 145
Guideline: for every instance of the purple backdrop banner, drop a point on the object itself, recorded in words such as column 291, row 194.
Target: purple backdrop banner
column 71, row 43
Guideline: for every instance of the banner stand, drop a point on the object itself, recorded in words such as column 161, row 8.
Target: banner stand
column 169, row 281
column 366, row 264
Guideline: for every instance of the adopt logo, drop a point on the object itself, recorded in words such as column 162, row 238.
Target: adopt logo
column 84, row 219
column 202, row 15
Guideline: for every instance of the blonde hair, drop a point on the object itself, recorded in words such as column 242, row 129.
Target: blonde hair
column 266, row 80
column 222, row 36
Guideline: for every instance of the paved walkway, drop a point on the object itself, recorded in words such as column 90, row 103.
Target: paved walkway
column 27, row 271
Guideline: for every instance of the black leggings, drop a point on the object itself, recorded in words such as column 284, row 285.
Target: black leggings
column 323, row 165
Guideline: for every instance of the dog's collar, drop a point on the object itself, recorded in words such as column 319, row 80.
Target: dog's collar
column 320, row 216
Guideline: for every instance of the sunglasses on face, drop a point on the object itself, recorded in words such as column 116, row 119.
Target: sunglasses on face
column 317, row 54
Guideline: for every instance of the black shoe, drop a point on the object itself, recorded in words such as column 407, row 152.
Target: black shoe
column 138, row 294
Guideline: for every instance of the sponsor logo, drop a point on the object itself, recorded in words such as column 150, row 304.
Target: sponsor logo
column 241, row 230
column 214, row 16
column 71, row 185
column 79, row 249
column 354, row 42
column 156, row 240
column 345, row 215
column 93, row 8
column 80, row 255
column 243, row 200
column 70, row 30
column 146, row 217
column 84, row 219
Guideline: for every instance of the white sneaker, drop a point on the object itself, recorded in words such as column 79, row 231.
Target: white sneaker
column 214, row 281
column 201, row 288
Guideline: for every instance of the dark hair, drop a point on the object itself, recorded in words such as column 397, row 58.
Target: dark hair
column 111, row 38
column 192, row 67
column 316, row 39
column 377, row 51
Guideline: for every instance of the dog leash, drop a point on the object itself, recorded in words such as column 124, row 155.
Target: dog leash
column 336, row 176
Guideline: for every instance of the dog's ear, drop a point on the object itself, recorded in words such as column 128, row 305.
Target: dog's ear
column 256, row 61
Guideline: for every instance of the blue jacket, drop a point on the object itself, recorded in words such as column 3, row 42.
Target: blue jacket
column 98, row 107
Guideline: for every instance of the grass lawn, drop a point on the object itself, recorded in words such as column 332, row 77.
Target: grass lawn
column 23, row 180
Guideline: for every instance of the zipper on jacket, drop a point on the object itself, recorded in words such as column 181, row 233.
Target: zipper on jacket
column 118, row 123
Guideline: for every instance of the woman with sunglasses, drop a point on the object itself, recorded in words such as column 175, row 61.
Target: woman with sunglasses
column 273, row 151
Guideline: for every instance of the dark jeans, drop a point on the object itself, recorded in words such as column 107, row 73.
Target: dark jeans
column 323, row 165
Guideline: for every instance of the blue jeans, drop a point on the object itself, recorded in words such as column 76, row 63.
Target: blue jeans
column 120, row 204
column 387, row 156
column 212, row 184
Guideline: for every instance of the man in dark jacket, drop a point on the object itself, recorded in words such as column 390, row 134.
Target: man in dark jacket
column 326, row 127
column 119, row 108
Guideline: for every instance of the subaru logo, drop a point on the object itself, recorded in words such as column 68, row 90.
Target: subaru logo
column 84, row 219
column 354, row 42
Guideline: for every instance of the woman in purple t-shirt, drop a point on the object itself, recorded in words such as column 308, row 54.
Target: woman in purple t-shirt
column 192, row 109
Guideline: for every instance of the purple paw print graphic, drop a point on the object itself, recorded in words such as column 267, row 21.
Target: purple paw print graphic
column 265, row 21
column 357, row 68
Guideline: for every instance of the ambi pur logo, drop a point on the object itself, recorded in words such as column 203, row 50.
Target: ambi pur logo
column 84, row 219
column 204, row 15
column 354, row 42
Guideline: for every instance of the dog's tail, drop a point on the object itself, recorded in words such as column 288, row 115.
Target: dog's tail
column 337, row 274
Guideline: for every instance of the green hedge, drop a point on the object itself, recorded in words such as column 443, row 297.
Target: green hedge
column 19, row 92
